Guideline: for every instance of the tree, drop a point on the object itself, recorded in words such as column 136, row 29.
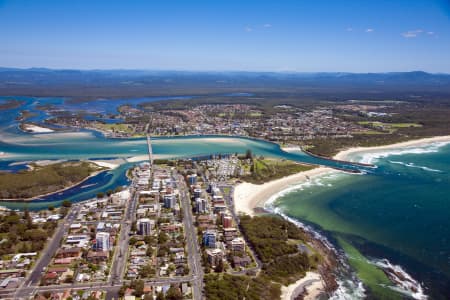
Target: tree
column 132, row 241
column 100, row 195
column 51, row 208
column 160, row 296
column 67, row 203
column 162, row 238
column 174, row 293
column 248, row 154
column 138, row 288
column 219, row 267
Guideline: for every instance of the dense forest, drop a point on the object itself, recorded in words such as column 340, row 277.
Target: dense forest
column 19, row 234
column 275, row 242
column 44, row 179
column 229, row 287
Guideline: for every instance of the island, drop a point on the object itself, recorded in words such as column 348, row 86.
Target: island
column 45, row 178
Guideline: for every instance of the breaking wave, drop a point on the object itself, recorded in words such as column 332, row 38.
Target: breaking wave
column 372, row 157
column 404, row 283
column 412, row 165
column 349, row 286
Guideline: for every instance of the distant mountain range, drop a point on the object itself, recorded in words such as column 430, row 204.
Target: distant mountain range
column 128, row 83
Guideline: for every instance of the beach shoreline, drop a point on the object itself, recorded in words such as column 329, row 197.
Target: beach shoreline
column 346, row 154
column 310, row 286
column 248, row 197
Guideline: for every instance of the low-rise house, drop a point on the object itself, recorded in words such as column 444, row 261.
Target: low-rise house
column 97, row 256
column 69, row 253
column 241, row 261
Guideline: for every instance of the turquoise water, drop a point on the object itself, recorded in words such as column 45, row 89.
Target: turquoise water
column 400, row 211
column 17, row 146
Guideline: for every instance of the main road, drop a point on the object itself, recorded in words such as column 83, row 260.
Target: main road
column 53, row 245
column 194, row 258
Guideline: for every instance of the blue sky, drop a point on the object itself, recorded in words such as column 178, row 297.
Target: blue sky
column 300, row 35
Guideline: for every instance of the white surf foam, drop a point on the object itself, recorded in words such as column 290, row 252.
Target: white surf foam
column 412, row 165
column 404, row 283
column 349, row 286
column 374, row 156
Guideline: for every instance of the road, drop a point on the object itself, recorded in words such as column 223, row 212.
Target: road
column 115, row 280
column 230, row 203
column 34, row 277
column 121, row 252
column 194, row 258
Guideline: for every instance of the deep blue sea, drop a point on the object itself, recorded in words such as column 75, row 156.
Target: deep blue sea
column 399, row 212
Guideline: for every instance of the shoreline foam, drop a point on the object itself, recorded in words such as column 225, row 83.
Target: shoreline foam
column 311, row 285
column 348, row 153
column 248, row 196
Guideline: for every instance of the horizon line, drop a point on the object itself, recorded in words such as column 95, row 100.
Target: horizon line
column 218, row 71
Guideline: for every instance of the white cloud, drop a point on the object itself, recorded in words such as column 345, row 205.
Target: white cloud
column 412, row 33
column 349, row 29
column 430, row 33
column 267, row 25
column 369, row 30
column 248, row 29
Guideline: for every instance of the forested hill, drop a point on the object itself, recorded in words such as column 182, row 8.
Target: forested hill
column 139, row 83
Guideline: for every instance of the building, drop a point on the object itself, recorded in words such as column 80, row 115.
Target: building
column 201, row 206
column 74, row 252
column 197, row 193
column 102, row 241
column 214, row 256
column 97, row 256
column 169, row 201
column 227, row 221
column 192, row 179
column 210, row 238
column 238, row 245
column 145, row 226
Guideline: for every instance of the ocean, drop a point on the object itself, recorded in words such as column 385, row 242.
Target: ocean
column 395, row 218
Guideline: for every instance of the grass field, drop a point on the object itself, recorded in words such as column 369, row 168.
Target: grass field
column 116, row 127
column 266, row 169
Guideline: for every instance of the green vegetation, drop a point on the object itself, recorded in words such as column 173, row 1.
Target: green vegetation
column 44, row 179
column 386, row 127
column 407, row 121
column 19, row 234
column 228, row 287
column 118, row 127
column 265, row 169
column 275, row 242
column 271, row 238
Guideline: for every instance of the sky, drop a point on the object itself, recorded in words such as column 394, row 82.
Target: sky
column 220, row 35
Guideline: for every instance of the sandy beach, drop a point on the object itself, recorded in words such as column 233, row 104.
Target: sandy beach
column 312, row 285
column 144, row 157
column 346, row 154
column 36, row 129
column 248, row 196
column 291, row 149
column 110, row 164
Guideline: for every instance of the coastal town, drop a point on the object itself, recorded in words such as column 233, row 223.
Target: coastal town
column 161, row 237
column 282, row 123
